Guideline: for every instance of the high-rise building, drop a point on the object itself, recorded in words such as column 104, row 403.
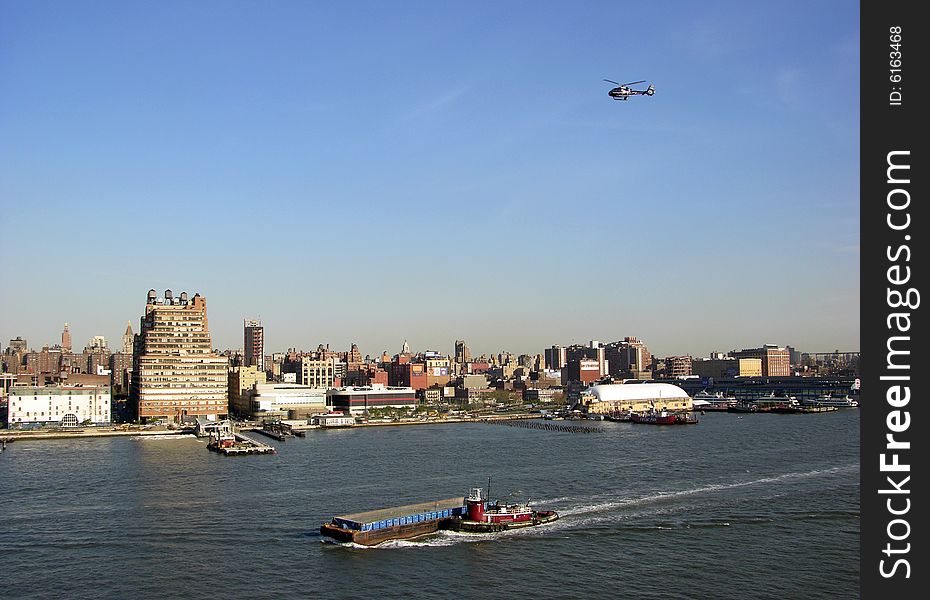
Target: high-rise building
column 176, row 373
column 727, row 367
column 18, row 344
column 96, row 343
column 66, row 339
column 14, row 356
column 354, row 358
column 318, row 373
column 555, row 358
column 120, row 371
column 462, row 352
column 677, row 367
column 127, row 339
column 629, row 358
column 776, row 361
column 48, row 361
column 593, row 351
column 254, row 344
column 585, row 370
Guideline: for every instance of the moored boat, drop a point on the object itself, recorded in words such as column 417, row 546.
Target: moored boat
column 719, row 401
column 837, row 400
column 662, row 417
column 773, row 403
column 618, row 416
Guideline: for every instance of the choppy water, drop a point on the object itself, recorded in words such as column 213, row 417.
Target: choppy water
column 738, row 506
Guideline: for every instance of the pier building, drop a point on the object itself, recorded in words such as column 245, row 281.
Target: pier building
column 636, row 397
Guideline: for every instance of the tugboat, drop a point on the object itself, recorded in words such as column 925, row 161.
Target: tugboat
column 472, row 514
column 483, row 517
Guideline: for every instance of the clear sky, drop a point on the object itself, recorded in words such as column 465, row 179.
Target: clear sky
column 378, row 171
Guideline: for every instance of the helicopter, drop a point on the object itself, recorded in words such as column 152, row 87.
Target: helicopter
column 623, row 90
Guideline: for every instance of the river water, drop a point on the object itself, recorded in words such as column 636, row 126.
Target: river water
column 737, row 506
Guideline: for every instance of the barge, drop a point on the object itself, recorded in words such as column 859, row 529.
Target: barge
column 403, row 522
column 472, row 514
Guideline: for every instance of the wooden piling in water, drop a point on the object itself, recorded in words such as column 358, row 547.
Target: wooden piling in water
column 560, row 427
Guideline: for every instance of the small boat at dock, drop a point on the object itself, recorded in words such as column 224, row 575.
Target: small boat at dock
column 837, row 400
column 661, row 417
column 618, row 416
column 717, row 401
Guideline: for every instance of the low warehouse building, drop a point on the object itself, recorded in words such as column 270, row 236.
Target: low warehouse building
column 65, row 406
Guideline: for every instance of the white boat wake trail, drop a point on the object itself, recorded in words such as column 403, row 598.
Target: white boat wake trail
column 613, row 505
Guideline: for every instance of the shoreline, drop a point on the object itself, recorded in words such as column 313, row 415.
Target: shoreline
column 12, row 435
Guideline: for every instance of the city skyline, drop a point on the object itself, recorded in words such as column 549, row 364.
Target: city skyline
column 434, row 174
column 444, row 347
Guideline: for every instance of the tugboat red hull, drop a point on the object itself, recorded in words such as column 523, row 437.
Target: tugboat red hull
column 540, row 517
column 654, row 419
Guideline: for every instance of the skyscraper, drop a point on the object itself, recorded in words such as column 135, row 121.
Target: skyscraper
column 254, row 344
column 555, row 357
column 66, row 339
column 462, row 352
column 176, row 373
column 127, row 339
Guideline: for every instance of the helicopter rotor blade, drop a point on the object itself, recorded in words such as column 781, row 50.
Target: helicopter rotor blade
column 634, row 82
column 613, row 82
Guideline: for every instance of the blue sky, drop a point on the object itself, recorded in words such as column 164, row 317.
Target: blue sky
column 373, row 172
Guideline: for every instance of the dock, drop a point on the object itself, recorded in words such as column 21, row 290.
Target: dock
column 240, row 445
column 279, row 430
column 272, row 434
